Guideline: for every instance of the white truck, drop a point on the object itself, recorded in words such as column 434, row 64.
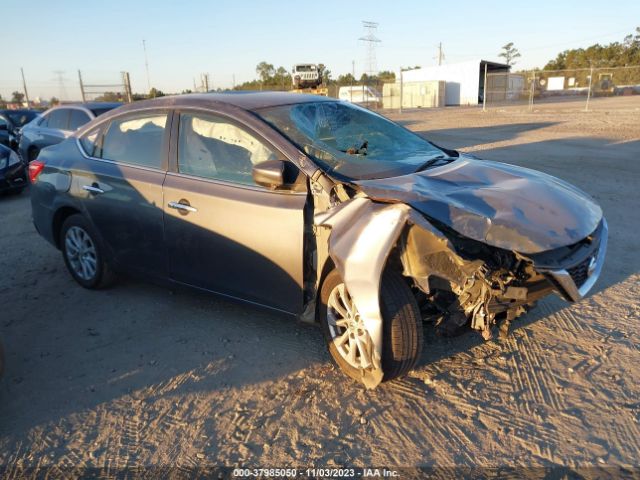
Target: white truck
column 307, row 75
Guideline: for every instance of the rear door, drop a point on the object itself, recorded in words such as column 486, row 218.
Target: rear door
column 234, row 237
column 122, row 187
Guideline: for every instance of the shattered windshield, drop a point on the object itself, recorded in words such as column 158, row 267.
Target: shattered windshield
column 352, row 141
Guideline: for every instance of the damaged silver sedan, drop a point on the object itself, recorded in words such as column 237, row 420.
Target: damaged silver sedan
column 318, row 209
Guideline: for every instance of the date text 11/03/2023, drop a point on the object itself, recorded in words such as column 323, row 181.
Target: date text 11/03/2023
column 341, row 473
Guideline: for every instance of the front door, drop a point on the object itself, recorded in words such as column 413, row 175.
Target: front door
column 223, row 232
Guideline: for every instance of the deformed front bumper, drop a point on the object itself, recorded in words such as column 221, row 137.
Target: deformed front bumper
column 574, row 281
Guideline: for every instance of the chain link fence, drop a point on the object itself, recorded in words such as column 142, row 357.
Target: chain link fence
column 66, row 87
column 579, row 86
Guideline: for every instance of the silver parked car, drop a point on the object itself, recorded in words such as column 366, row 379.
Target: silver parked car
column 56, row 124
column 318, row 209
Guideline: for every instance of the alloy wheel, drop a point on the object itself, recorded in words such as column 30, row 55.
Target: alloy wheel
column 347, row 329
column 81, row 253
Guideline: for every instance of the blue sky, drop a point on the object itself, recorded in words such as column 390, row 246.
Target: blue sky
column 227, row 38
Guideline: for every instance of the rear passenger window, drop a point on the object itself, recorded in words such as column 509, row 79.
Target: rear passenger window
column 212, row 147
column 89, row 142
column 59, row 119
column 136, row 140
column 77, row 119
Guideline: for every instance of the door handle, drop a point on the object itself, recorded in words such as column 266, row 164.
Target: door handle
column 182, row 207
column 92, row 189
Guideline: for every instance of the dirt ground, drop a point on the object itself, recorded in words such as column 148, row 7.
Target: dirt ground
column 138, row 375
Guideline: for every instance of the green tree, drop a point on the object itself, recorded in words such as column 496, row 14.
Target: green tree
column 3, row 104
column 282, row 77
column 326, row 76
column 53, row 101
column 154, row 93
column 265, row 71
column 109, row 97
column 347, row 79
column 509, row 53
column 615, row 54
column 17, row 97
column 387, row 77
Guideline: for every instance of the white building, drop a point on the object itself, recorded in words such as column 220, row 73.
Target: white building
column 464, row 82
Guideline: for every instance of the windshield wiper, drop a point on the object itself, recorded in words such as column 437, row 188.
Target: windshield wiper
column 433, row 161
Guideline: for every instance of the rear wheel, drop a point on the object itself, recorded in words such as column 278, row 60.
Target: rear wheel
column 347, row 338
column 83, row 253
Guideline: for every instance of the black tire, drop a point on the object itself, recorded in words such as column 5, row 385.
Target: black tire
column 402, row 326
column 104, row 275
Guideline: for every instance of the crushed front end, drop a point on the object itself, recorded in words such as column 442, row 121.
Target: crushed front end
column 466, row 282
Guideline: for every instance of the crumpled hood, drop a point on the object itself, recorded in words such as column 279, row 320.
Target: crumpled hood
column 502, row 205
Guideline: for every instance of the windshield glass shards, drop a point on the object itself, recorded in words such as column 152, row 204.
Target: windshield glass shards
column 352, row 141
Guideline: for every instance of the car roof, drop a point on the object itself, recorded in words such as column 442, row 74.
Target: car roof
column 90, row 105
column 246, row 100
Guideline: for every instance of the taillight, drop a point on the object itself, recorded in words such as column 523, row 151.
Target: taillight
column 35, row 167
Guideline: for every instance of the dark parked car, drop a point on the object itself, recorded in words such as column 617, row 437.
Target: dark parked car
column 13, row 172
column 319, row 209
column 11, row 121
column 56, row 124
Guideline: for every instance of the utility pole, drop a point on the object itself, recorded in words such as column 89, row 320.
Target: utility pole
column 146, row 63
column 234, row 80
column 440, row 54
column 24, row 86
column 401, row 88
column 586, row 107
column 81, row 86
column 484, row 91
column 353, row 77
column 127, row 86
column 532, row 91
column 205, row 78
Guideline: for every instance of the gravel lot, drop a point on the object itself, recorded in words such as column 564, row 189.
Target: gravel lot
column 138, row 375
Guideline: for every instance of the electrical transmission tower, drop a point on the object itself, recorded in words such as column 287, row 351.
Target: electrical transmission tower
column 146, row 63
column 62, row 90
column 370, row 39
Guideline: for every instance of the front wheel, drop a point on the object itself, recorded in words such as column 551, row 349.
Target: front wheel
column 83, row 253
column 345, row 334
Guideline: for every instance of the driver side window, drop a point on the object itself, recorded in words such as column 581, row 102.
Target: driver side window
column 212, row 147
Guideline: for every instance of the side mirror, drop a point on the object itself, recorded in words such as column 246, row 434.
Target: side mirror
column 270, row 174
